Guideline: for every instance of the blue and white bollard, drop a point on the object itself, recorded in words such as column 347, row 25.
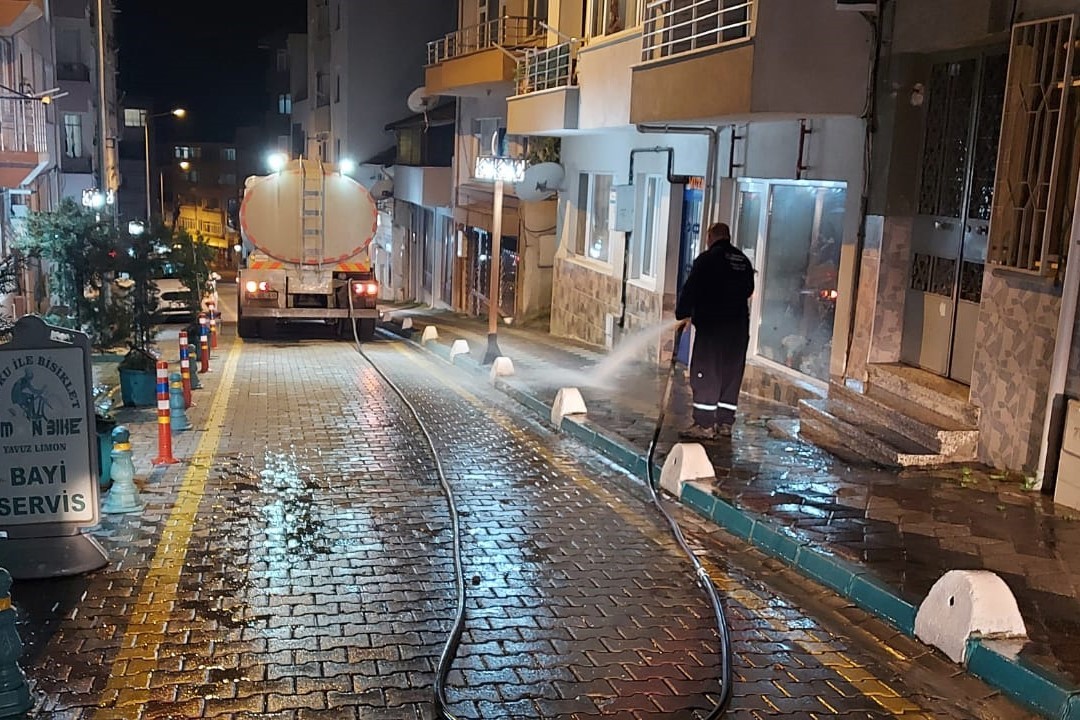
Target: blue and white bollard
column 15, row 698
column 123, row 497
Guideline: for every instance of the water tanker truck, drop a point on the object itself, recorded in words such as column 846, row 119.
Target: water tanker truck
column 306, row 233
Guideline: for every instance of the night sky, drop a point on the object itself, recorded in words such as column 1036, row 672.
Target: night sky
column 202, row 55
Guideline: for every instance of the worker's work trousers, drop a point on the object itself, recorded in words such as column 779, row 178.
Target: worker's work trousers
column 716, row 372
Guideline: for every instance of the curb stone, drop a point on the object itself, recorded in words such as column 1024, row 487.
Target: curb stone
column 992, row 661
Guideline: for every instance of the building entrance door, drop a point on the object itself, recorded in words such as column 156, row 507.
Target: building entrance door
column 949, row 233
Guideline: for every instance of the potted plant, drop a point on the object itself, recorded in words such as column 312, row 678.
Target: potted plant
column 138, row 369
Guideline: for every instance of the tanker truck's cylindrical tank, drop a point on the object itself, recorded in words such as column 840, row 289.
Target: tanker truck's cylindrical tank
column 273, row 207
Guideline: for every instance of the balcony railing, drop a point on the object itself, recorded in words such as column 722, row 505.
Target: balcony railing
column 507, row 32
column 673, row 27
column 22, row 126
column 72, row 71
column 553, row 67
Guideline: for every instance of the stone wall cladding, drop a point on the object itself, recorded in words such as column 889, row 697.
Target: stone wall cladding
column 892, row 280
column 581, row 300
column 1014, row 345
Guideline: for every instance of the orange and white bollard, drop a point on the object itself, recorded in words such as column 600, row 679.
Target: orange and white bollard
column 204, row 343
column 185, row 368
column 164, row 456
column 213, row 325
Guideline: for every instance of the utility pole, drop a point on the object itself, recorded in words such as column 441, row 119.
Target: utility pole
column 106, row 169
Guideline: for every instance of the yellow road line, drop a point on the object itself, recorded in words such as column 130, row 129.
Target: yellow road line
column 858, row 677
column 129, row 676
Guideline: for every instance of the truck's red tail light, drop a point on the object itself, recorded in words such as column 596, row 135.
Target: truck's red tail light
column 264, row 286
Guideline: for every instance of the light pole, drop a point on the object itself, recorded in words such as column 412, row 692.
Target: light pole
column 177, row 112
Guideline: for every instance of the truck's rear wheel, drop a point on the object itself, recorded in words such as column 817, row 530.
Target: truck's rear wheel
column 267, row 327
column 246, row 328
column 365, row 329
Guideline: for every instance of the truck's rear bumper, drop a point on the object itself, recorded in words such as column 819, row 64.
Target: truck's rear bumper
column 307, row 313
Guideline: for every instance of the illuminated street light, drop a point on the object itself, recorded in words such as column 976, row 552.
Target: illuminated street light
column 347, row 166
column 276, row 161
column 179, row 112
column 176, row 112
column 136, row 228
column 185, row 165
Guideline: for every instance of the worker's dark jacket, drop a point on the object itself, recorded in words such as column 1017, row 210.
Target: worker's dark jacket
column 716, row 291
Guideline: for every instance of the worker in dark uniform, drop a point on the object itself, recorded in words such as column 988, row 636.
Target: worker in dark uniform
column 716, row 298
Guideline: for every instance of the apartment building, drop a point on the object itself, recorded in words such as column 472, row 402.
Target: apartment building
column 204, row 181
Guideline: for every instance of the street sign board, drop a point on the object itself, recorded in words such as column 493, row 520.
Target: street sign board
column 48, row 439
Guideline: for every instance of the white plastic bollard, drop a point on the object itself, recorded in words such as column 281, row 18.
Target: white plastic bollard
column 502, row 367
column 963, row 603
column 430, row 334
column 568, row 401
column 460, row 347
column 406, row 323
column 685, row 462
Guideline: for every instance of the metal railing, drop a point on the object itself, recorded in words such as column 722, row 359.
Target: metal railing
column 552, row 67
column 508, row 32
column 22, row 126
column 673, row 27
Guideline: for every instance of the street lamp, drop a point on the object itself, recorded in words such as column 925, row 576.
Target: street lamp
column 175, row 112
column 347, row 166
column 136, row 228
column 276, row 161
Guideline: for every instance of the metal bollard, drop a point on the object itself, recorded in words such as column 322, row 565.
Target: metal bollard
column 204, row 343
column 164, row 456
column 177, row 414
column 196, row 384
column 123, row 496
column 213, row 325
column 185, row 368
column 15, row 698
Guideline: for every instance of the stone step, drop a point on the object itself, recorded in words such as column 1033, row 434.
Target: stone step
column 876, row 443
column 919, row 387
column 938, row 433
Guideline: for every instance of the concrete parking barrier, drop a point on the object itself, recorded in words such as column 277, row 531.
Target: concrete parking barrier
column 685, row 462
column 459, row 347
column 502, row 367
column 966, row 603
column 568, row 401
column 430, row 334
column 406, row 323
column 164, row 455
column 123, row 496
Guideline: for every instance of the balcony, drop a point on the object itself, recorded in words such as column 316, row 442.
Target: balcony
column 24, row 146
column 784, row 60
column 480, row 59
column 546, row 101
column 72, row 72
column 17, row 14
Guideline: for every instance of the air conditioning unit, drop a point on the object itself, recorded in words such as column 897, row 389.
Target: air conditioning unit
column 857, row 5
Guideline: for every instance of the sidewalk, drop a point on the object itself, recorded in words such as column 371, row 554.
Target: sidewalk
column 906, row 528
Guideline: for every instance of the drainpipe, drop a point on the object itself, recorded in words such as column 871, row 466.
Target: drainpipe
column 1055, row 402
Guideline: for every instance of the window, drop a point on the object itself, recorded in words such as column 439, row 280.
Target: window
column 284, row 104
column 228, row 154
column 612, row 16
column 643, row 259
column 73, row 135
column 211, row 228
column 282, row 60
column 134, row 117
column 593, row 238
column 491, row 136
column 337, row 88
column 192, row 176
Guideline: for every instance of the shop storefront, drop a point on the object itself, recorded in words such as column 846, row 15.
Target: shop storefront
column 792, row 231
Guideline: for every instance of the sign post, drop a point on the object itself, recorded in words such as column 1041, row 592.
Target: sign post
column 49, row 448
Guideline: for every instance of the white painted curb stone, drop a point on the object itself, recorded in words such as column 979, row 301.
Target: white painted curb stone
column 685, row 462
column 502, row 367
column 406, row 323
column 963, row 603
column 568, row 401
column 460, row 347
column 430, row 333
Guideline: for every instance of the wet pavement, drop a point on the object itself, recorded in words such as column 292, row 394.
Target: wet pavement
column 298, row 565
column 907, row 527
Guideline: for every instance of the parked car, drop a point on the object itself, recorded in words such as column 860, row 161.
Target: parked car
column 174, row 298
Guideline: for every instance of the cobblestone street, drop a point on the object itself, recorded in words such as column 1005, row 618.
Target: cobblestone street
column 298, row 564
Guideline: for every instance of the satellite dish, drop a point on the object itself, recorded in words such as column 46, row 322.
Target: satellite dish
column 540, row 182
column 382, row 189
column 420, row 101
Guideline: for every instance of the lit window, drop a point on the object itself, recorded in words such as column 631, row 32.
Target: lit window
column 593, row 237
column 134, row 117
column 228, row 153
column 73, row 135
column 284, row 104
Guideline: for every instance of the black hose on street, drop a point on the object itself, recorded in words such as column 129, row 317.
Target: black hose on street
column 449, row 651
column 703, row 579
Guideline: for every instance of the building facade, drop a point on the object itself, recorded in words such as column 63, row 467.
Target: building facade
column 204, row 181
